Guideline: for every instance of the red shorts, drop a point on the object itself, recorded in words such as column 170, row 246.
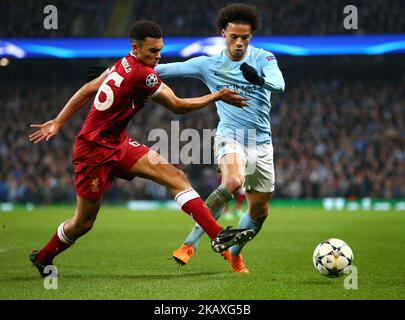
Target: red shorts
column 96, row 166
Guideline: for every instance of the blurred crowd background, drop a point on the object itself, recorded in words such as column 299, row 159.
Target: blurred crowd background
column 338, row 129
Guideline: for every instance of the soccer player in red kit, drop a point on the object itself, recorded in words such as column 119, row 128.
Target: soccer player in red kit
column 103, row 150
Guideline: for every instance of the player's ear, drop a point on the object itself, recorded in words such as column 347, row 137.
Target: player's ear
column 223, row 33
column 134, row 47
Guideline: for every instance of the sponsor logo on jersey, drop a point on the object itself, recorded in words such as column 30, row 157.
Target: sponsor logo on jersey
column 239, row 87
column 151, row 80
column 270, row 58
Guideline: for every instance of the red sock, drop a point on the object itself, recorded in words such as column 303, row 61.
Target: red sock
column 191, row 203
column 58, row 243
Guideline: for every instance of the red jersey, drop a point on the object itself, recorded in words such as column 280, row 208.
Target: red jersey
column 128, row 85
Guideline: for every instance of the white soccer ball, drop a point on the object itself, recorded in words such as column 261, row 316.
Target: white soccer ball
column 333, row 258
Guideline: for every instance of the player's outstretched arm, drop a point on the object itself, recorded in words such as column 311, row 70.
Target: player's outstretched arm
column 189, row 68
column 52, row 127
column 168, row 99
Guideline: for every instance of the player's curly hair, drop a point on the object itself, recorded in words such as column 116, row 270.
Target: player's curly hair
column 238, row 12
column 145, row 28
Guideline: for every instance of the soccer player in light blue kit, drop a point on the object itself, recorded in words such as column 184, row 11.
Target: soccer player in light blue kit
column 243, row 142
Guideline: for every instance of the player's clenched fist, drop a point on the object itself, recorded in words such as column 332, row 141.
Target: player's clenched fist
column 232, row 97
column 251, row 75
column 46, row 131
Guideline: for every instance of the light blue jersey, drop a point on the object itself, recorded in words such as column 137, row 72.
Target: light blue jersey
column 218, row 72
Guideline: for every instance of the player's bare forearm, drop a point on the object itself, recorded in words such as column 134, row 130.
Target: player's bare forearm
column 179, row 106
column 192, row 104
column 230, row 96
column 168, row 99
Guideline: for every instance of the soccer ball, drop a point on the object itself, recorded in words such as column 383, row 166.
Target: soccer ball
column 333, row 258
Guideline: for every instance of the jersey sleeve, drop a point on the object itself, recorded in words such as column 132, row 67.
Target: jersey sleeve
column 149, row 82
column 273, row 77
column 191, row 68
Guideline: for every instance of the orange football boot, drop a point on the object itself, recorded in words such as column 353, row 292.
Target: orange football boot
column 183, row 254
column 236, row 261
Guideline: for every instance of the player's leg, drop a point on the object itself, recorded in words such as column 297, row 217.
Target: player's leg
column 83, row 220
column 90, row 183
column 259, row 185
column 232, row 172
column 67, row 233
column 258, row 207
column 259, row 188
column 254, row 217
column 231, row 160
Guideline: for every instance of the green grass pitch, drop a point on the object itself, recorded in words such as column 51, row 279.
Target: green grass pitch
column 127, row 256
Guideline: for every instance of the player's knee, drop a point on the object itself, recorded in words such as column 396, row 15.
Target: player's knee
column 82, row 227
column 180, row 180
column 86, row 226
column 260, row 213
column 233, row 184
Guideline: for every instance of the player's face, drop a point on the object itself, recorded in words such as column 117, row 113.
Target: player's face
column 237, row 37
column 148, row 51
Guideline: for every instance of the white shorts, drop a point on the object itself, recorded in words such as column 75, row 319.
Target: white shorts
column 258, row 162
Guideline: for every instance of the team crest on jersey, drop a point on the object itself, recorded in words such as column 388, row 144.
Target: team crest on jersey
column 151, row 80
column 94, row 185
